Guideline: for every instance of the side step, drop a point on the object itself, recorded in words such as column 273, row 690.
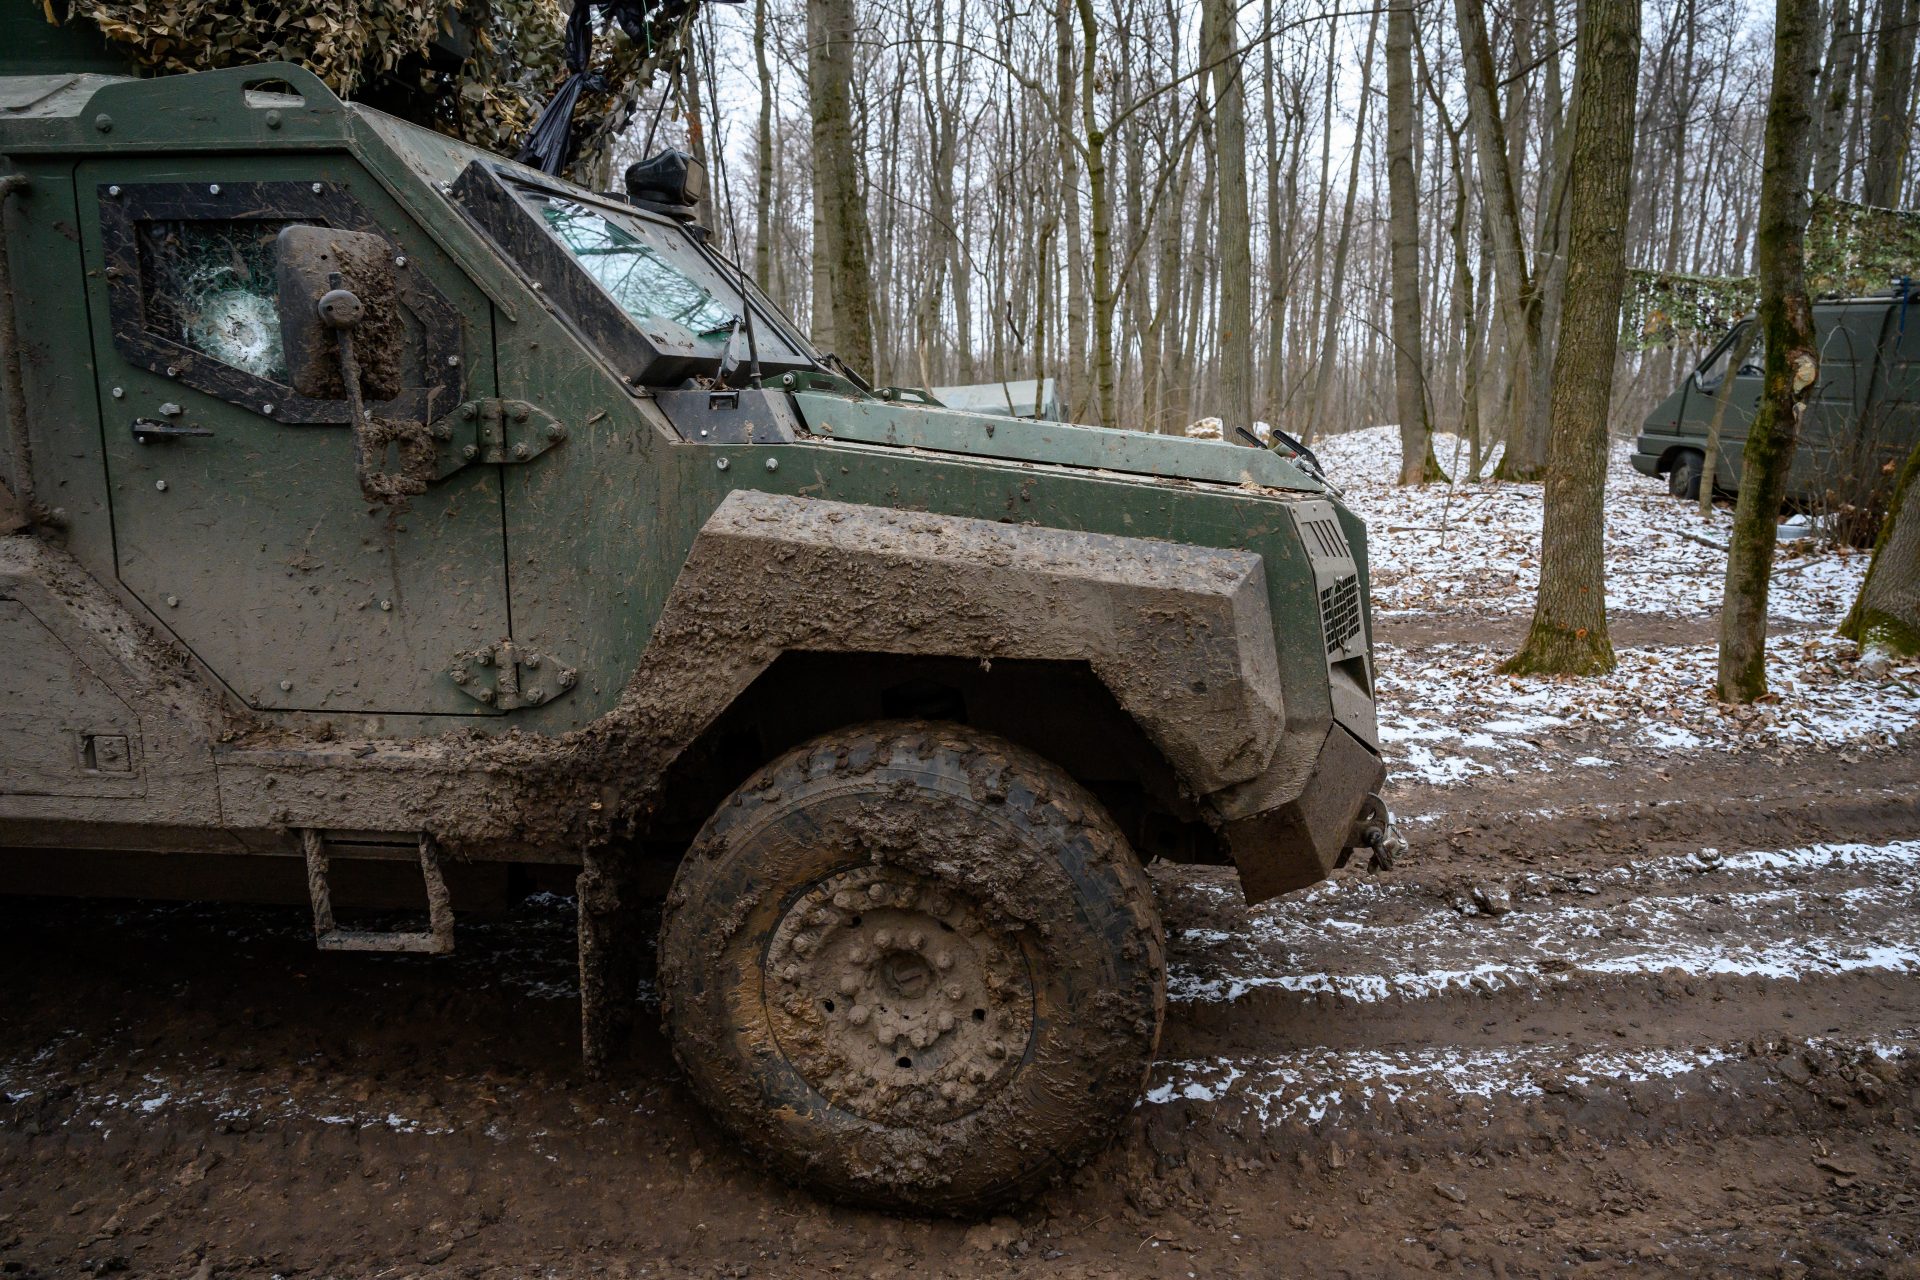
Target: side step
column 438, row 940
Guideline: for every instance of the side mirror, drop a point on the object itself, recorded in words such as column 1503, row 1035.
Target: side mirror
column 311, row 262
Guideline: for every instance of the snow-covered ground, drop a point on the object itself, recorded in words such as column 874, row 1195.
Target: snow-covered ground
column 1475, row 547
column 1447, row 716
column 1470, row 550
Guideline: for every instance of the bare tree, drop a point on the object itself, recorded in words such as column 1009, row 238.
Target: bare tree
column 1219, row 42
column 1519, row 293
column 763, row 156
column 1890, row 132
column 1330, row 335
column 841, row 214
column 1417, row 463
column 1792, row 361
column 1569, row 631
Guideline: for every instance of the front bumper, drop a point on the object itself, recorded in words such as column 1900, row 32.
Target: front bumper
column 1299, row 841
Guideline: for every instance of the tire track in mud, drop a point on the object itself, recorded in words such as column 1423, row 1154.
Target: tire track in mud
column 1712, row 988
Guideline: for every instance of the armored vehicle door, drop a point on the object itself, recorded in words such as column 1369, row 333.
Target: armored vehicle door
column 238, row 516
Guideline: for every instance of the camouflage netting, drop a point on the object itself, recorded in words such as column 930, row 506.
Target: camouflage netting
column 1664, row 307
column 380, row 50
column 1856, row 248
column 1852, row 249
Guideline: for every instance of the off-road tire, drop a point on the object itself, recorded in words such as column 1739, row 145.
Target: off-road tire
column 913, row 965
column 1683, row 478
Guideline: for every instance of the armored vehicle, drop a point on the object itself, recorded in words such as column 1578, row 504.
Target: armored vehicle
column 1862, row 420
column 374, row 497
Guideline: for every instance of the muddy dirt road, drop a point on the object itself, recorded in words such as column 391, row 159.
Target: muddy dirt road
column 1644, row 999
column 1618, row 1020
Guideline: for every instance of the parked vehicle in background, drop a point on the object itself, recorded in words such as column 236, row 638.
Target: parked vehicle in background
column 1861, row 423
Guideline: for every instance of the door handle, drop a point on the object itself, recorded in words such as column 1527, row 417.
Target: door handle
column 152, row 431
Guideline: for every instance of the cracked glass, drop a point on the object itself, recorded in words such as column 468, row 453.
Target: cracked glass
column 210, row 286
column 647, row 280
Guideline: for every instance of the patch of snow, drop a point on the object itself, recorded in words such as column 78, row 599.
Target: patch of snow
column 1779, row 914
column 1313, row 1083
column 1446, row 716
column 1474, row 546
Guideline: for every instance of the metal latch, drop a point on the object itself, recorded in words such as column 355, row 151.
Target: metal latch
column 506, row 677
column 329, row 936
column 154, row 431
column 494, row 432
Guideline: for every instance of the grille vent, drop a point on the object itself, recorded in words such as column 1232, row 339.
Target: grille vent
column 1340, row 611
column 1327, row 538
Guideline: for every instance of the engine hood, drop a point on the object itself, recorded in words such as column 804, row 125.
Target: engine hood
column 914, row 426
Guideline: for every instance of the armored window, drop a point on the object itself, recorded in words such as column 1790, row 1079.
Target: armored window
column 644, row 293
column 192, row 290
column 645, row 279
column 210, row 286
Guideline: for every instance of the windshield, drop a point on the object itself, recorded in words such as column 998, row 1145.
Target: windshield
column 644, row 278
column 1713, row 370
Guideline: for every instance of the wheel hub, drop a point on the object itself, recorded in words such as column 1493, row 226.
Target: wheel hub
column 896, row 998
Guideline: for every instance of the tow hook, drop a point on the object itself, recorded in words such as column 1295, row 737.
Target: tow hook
column 1380, row 835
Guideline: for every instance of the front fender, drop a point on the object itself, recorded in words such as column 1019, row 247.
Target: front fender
column 1181, row 635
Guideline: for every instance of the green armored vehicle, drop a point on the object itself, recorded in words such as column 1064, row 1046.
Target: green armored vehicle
column 374, row 497
column 1862, row 418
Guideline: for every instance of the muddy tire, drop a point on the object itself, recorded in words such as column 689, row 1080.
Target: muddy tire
column 1683, row 480
column 913, row 965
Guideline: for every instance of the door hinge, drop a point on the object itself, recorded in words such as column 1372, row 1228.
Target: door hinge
column 506, row 676
column 494, row 432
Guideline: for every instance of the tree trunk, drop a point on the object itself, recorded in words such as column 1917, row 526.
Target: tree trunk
column 1886, row 615
column 763, row 158
column 1330, row 335
column 836, row 179
column 1100, row 203
column 1890, row 132
column 1842, row 49
column 1569, row 631
column 1232, row 227
column 1417, row 463
column 1519, row 295
column 1073, row 383
column 1792, row 360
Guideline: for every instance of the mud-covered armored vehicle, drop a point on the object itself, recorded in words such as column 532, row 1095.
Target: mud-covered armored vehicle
column 372, row 497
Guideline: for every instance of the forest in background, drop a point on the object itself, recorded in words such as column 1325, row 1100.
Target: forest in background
column 1082, row 189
